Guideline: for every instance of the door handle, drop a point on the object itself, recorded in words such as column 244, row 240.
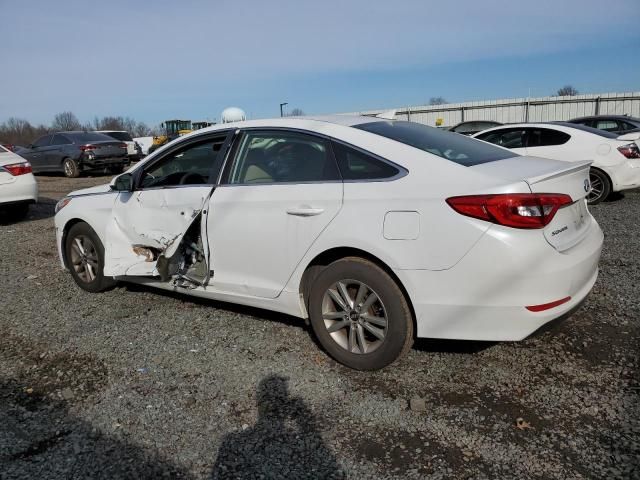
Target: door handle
column 304, row 211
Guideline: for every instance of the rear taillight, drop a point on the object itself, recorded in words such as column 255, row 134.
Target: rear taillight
column 123, row 145
column 87, row 147
column 630, row 150
column 517, row 210
column 16, row 169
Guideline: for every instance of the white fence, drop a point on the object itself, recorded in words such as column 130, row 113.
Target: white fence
column 513, row 110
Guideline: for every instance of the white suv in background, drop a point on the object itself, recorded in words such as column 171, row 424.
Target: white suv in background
column 132, row 149
column 18, row 187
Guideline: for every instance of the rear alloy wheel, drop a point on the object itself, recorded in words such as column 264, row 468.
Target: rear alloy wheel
column 600, row 186
column 85, row 258
column 360, row 315
column 71, row 168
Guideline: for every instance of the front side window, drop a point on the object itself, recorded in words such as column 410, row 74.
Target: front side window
column 451, row 146
column 42, row 141
column 195, row 164
column 507, row 138
column 357, row 165
column 282, row 157
column 544, row 137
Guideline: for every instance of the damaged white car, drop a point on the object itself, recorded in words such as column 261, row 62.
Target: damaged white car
column 376, row 230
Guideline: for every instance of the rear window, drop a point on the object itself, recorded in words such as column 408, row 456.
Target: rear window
column 584, row 128
column 122, row 136
column 451, row 146
column 85, row 137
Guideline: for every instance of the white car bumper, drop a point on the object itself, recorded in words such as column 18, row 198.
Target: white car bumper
column 625, row 175
column 18, row 189
column 484, row 296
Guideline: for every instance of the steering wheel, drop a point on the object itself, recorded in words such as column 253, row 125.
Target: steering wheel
column 192, row 178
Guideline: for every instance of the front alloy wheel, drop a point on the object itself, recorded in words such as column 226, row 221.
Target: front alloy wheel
column 84, row 258
column 84, row 255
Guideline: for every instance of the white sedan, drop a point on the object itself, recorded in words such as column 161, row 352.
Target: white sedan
column 18, row 187
column 616, row 158
column 375, row 230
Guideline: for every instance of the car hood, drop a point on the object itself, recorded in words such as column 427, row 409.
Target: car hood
column 91, row 190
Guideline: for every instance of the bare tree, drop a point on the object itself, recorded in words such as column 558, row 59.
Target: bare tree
column 65, row 121
column 296, row 112
column 141, row 130
column 567, row 91
column 437, row 101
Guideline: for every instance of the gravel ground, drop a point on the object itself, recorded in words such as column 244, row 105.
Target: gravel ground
column 135, row 383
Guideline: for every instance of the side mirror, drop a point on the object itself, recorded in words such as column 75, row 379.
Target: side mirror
column 122, row 183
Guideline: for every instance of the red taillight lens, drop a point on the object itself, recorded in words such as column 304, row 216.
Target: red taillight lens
column 517, row 210
column 16, row 169
column 123, row 145
column 547, row 306
column 630, row 150
column 87, row 147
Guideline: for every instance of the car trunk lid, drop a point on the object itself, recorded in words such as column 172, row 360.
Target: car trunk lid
column 109, row 149
column 571, row 223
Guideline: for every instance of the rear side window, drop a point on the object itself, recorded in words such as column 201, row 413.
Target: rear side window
column 122, row 136
column 283, row 157
column 86, row 137
column 544, row 137
column 357, row 165
column 507, row 137
column 449, row 145
column 607, row 125
column 60, row 140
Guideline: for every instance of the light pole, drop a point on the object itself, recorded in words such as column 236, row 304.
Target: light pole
column 282, row 105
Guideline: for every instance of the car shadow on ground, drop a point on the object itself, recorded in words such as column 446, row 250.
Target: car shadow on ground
column 427, row 345
column 45, row 208
column 284, row 442
column 40, row 438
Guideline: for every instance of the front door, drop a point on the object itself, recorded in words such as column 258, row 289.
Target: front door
column 281, row 189
column 170, row 194
column 37, row 154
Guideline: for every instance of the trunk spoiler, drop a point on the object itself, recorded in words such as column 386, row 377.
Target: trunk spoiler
column 630, row 137
column 572, row 167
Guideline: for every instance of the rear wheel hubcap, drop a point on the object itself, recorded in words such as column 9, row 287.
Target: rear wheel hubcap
column 354, row 316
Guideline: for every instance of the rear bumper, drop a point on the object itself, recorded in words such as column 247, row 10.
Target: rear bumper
column 625, row 176
column 94, row 163
column 22, row 189
column 484, row 296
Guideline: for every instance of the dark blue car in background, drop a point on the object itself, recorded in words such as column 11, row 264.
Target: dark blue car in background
column 74, row 152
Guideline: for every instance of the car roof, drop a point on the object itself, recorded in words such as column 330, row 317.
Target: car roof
column 604, row 117
column 563, row 126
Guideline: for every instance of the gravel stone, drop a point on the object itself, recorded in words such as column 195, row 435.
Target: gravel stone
column 137, row 383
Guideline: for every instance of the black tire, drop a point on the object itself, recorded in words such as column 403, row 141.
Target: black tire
column 70, row 168
column 391, row 304
column 600, row 186
column 85, row 234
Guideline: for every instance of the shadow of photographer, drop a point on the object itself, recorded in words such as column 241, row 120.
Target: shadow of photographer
column 284, row 442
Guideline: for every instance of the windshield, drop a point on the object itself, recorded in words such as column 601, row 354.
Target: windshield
column 451, row 146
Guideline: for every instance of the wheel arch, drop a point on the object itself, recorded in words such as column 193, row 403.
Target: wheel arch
column 322, row 260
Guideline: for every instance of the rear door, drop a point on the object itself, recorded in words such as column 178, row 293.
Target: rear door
column 170, row 195
column 55, row 152
column 281, row 190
